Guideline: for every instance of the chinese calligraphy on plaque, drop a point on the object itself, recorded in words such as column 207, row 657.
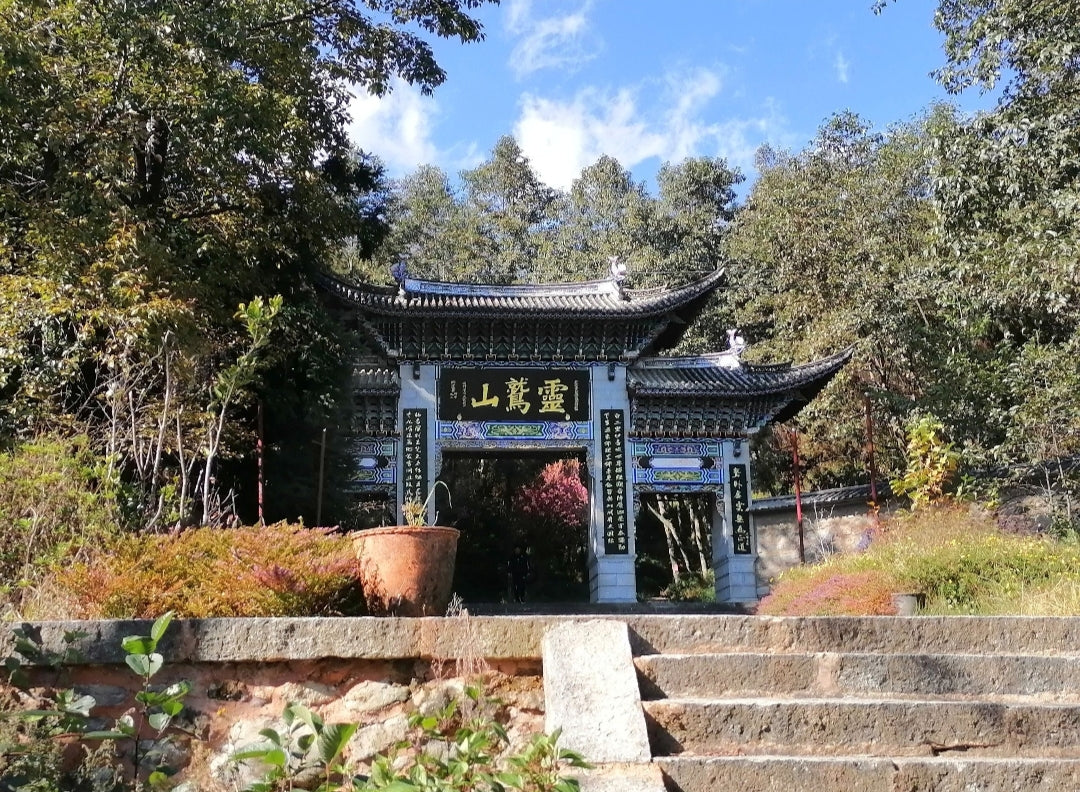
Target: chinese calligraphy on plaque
column 740, row 502
column 414, row 454
column 613, row 480
column 513, row 394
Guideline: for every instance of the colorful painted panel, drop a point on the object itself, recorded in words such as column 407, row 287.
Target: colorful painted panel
column 613, row 480
column 498, row 394
column 691, row 448
column 658, row 464
column 414, row 454
column 738, row 486
column 574, row 431
column 375, row 462
column 662, row 477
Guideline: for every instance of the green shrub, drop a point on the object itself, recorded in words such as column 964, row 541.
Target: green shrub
column 962, row 575
column 692, row 587
column 462, row 748
column 273, row 570
column 58, row 747
column 932, row 463
column 55, row 505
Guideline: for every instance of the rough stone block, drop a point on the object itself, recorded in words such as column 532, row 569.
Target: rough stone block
column 621, row 778
column 591, row 691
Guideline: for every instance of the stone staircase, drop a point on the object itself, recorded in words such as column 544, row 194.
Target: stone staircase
column 917, row 704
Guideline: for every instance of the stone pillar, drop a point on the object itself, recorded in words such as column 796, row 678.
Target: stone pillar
column 734, row 571
column 611, row 576
column 417, row 393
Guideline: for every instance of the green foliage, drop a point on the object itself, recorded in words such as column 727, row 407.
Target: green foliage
column 274, row 570
column 309, row 752
column 156, row 170
column 828, row 252
column 503, row 225
column 462, row 748
column 56, row 502
column 1007, row 191
column 145, row 728
column 932, row 463
column 954, row 554
column 32, row 760
column 258, row 320
column 692, row 587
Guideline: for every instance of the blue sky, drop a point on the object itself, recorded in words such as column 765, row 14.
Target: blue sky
column 650, row 82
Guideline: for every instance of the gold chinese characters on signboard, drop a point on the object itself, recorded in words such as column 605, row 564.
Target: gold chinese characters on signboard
column 513, row 394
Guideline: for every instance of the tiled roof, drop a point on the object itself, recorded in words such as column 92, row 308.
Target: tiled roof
column 375, row 379
column 859, row 493
column 593, row 298
column 711, row 375
column 717, row 394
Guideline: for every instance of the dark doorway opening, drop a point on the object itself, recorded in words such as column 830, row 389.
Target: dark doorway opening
column 673, row 534
column 534, row 500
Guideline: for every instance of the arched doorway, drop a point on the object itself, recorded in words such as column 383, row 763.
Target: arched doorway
column 502, row 499
column 674, row 545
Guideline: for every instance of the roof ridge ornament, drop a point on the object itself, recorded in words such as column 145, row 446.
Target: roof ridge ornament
column 618, row 274
column 399, row 272
column 736, row 343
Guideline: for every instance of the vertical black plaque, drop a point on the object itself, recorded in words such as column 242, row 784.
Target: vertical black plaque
column 613, row 480
column 414, row 454
column 740, row 502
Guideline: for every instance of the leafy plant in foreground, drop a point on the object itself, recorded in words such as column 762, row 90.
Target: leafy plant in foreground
column 70, row 713
column 462, row 748
column 308, row 751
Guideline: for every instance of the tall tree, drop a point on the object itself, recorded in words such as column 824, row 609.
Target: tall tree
column 1007, row 190
column 605, row 215
column 508, row 207
column 158, row 168
column 828, row 252
column 504, row 225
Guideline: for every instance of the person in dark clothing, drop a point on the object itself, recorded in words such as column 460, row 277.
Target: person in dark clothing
column 520, row 572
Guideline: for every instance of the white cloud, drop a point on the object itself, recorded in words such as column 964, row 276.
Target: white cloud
column 563, row 137
column 557, row 41
column 840, row 63
column 396, row 127
column 399, row 129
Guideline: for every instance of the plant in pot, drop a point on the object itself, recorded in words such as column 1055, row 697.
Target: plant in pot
column 408, row 570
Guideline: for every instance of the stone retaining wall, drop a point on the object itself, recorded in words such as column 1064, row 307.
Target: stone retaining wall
column 376, row 671
column 243, row 672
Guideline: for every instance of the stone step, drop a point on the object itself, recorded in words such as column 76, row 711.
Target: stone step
column 876, row 727
column 848, row 773
column 909, row 635
column 957, row 676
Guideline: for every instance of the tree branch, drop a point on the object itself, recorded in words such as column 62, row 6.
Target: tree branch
column 209, row 211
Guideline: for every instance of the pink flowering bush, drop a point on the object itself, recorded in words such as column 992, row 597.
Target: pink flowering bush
column 552, row 512
column 556, row 496
column 840, row 593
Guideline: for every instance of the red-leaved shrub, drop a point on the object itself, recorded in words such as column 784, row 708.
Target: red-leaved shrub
column 273, row 570
column 867, row 593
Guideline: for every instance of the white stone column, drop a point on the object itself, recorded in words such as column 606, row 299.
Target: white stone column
column 418, row 384
column 611, row 577
column 735, row 578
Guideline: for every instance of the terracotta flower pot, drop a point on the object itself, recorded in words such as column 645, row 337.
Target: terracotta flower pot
column 406, row 570
column 908, row 603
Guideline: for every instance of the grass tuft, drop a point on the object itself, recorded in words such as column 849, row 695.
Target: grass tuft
column 955, row 555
